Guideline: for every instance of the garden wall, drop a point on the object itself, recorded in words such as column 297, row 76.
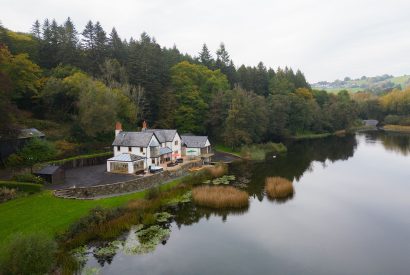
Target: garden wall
column 134, row 185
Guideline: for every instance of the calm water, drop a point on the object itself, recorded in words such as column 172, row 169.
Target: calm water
column 349, row 215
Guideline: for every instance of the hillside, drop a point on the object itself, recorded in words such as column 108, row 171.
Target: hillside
column 377, row 84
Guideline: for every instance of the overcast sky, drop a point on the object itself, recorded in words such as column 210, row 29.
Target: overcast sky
column 326, row 39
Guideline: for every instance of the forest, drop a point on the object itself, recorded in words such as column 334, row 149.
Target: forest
column 88, row 79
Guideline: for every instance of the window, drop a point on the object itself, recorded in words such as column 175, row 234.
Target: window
column 118, row 148
column 130, row 149
column 176, row 142
column 141, row 149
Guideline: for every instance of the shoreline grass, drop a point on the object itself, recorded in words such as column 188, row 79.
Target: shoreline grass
column 396, row 128
column 220, row 197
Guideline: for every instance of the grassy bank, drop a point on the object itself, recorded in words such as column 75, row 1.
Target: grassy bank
column 310, row 136
column 229, row 150
column 253, row 151
column 397, row 128
column 42, row 212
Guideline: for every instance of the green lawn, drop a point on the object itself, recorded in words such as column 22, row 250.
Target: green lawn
column 42, row 212
column 226, row 149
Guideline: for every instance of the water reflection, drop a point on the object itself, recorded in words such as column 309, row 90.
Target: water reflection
column 395, row 142
column 295, row 236
column 295, row 163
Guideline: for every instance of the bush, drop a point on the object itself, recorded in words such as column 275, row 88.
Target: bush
column 278, row 188
column 28, row 177
column 392, row 119
column 14, row 160
column 220, row 197
column 32, row 254
column 7, row 194
column 152, row 193
column 22, row 186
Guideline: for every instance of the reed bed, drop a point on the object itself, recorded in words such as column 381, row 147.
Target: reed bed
column 220, row 197
column 278, row 188
column 218, row 170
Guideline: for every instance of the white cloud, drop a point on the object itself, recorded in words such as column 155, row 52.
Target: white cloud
column 326, row 39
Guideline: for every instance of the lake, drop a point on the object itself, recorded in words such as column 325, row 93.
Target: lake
column 349, row 215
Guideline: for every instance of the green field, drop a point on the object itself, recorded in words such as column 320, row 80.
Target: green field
column 42, row 212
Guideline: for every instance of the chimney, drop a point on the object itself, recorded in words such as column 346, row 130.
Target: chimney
column 144, row 125
column 118, row 128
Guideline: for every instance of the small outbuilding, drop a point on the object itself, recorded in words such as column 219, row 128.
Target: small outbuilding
column 52, row 174
column 126, row 163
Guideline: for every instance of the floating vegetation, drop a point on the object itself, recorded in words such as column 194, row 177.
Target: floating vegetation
column 221, row 180
column 108, row 251
column 91, row 271
column 163, row 217
column 148, row 239
column 184, row 198
column 220, row 197
column 80, row 254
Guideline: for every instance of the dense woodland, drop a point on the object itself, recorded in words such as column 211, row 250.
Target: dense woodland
column 90, row 78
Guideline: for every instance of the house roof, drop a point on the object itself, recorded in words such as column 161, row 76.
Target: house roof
column 135, row 139
column 163, row 135
column 194, row 141
column 126, row 157
column 164, row 150
column 48, row 170
column 29, row 133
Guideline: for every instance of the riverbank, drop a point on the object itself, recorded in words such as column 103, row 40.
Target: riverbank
column 254, row 151
column 43, row 212
column 396, row 128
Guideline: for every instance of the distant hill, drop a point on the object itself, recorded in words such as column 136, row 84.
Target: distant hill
column 376, row 84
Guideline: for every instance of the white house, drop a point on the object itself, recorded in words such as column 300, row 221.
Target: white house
column 170, row 142
column 135, row 150
column 196, row 146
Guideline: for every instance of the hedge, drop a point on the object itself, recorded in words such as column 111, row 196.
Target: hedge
column 22, row 186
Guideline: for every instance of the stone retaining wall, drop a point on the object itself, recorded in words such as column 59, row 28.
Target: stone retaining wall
column 137, row 184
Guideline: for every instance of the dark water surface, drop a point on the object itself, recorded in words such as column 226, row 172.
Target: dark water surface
column 349, row 215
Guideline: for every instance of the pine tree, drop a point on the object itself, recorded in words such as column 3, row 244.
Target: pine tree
column 69, row 44
column 36, row 30
column 116, row 47
column 205, row 57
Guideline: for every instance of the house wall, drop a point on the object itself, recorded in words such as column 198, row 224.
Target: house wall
column 176, row 148
column 137, row 151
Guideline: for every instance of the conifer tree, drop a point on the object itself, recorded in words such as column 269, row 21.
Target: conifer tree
column 205, row 57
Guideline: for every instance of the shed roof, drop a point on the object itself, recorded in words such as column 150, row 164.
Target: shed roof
column 163, row 135
column 48, row 170
column 126, row 157
column 194, row 141
column 29, row 133
column 138, row 139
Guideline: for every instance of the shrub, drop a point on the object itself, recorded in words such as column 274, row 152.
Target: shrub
column 278, row 188
column 32, row 254
column 22, row 186
column 14, row 160
column 392, row 119
column 152, row 193
column 220, row 197
column 37, row 150
column 7, row 194
column 28, row 177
